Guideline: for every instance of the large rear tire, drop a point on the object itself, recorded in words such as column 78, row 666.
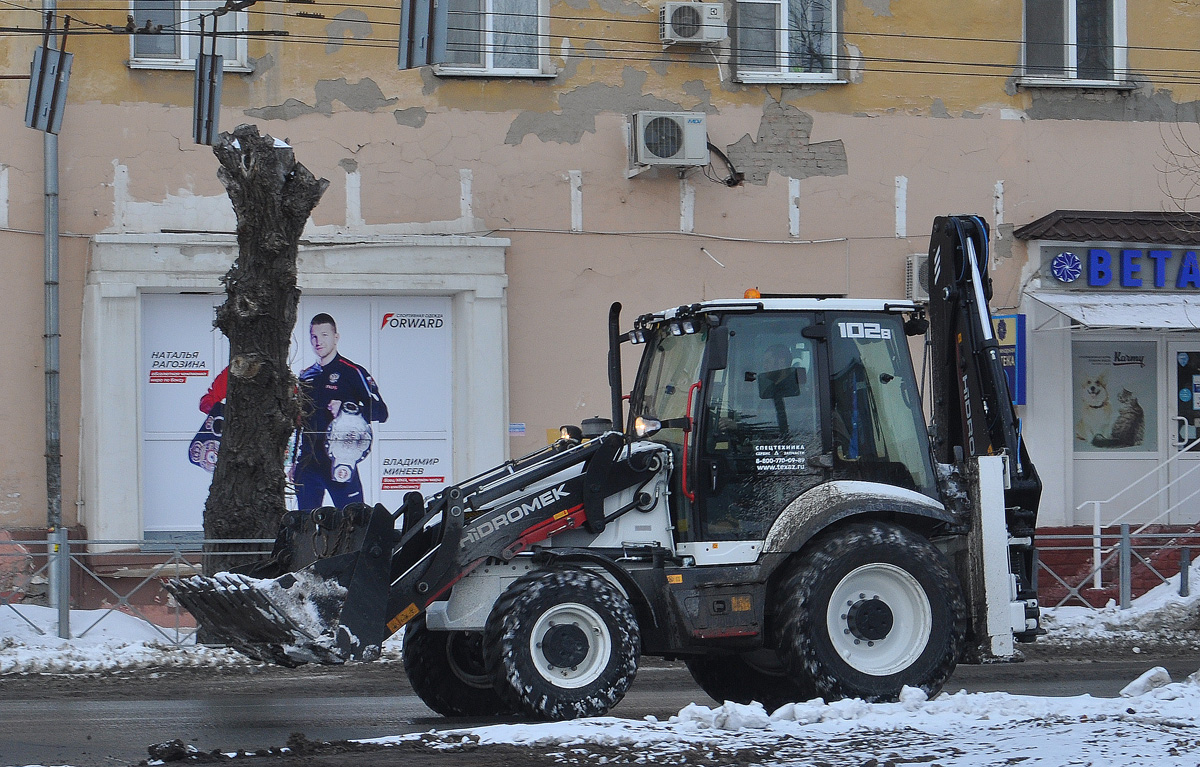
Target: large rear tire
column 562, row 644
column 754, row 676
column 447, row 672
column 870, row 609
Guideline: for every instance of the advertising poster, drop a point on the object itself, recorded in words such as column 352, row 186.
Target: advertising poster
column 1009, row 330
column 1187, row 395
column 1114, row 396
column 181, row 356
column 401, row 347
column 375, row 385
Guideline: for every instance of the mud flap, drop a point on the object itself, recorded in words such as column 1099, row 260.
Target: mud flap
column 328, row 612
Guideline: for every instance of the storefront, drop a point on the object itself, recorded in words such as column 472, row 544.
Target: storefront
column 1112, row 307
column 423, row 318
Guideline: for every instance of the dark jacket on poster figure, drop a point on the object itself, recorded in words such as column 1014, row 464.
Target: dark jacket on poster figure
column 343, row 381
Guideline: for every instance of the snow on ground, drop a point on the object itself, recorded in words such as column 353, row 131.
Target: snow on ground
column 1156, row 728
column 1159, row 610
column 1156, row 721
column 106, row 640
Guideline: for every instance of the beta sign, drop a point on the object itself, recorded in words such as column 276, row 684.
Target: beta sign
column 1130, row 268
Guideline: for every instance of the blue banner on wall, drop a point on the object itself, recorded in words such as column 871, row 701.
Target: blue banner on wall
column 1010, row 334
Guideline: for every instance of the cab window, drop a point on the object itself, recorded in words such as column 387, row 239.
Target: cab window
column 762, row 426
column 879, row 430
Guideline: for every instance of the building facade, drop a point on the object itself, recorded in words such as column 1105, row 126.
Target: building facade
column 484, row 213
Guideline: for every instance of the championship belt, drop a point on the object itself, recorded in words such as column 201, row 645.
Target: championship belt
column 348, row 441
column 203, row 449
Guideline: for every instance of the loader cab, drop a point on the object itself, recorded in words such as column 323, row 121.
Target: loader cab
column 760, row 405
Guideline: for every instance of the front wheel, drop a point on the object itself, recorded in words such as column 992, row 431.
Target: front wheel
column 870, row 609
column 562, row 644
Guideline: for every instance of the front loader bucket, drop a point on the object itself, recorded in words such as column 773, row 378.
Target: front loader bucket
column 328, row 609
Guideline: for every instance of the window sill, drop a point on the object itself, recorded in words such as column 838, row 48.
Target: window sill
column 444, row 71
column 183, row 65
column 782, row 79
column 1066, row 82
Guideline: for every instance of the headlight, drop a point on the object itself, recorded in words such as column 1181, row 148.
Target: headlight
column 644, row 427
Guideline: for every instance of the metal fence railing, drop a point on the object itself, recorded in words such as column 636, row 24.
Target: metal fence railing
column 108, row 577
column 1133, row 562
column 127, row 576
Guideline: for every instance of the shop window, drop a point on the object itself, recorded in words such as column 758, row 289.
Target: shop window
column 497, row 37
column 1114, row 396
column 1074, row 42
column 176, row 46
column 786, row 40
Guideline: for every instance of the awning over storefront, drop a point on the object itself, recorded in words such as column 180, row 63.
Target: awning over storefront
column 1118, row 310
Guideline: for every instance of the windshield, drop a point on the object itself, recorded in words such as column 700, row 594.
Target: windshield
column 670, row 365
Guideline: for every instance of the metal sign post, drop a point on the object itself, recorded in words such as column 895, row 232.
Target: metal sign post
column 206, row 110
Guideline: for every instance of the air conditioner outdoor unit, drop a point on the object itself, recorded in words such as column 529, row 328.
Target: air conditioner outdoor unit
column 695, row 23
column 916, row 278
column 670, row 138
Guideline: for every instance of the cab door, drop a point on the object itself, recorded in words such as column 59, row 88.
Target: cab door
column 761, row 425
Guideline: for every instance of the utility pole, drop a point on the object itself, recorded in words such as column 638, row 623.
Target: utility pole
column 60, row 568
column 51, row 258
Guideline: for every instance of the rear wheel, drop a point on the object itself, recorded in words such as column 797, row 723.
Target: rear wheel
column 562, row 644
column 446, row 670
column 870, row 609
column 753, row 676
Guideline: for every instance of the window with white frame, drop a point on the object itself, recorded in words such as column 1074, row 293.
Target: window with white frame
column 1075, row 40
column 497, row 37
column 177, row 45
column 794, row 40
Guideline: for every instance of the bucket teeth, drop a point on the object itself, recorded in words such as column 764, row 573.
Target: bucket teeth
column 274, row 621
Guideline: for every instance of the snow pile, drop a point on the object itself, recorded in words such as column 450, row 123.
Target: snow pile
column 1158, row 610
column 1150, row 726
column 108, row 640
column 102, row 640
column 1151, row 680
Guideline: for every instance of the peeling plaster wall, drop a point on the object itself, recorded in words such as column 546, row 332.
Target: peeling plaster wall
column 783, row 147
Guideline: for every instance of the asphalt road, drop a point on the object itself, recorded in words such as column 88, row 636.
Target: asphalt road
column 110, row 720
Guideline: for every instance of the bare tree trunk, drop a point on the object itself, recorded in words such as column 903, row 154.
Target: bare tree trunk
column 272, row 196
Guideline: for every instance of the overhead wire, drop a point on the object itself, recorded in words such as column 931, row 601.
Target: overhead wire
column 633, row 50
column 258, row 10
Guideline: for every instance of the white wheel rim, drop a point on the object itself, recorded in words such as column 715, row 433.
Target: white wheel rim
column 912, row 619
column 593, row 661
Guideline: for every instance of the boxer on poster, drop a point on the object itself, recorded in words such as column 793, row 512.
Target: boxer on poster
column 339, row 400
column 203, row 449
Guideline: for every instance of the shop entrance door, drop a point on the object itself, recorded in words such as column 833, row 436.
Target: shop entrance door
column 1183, row 430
